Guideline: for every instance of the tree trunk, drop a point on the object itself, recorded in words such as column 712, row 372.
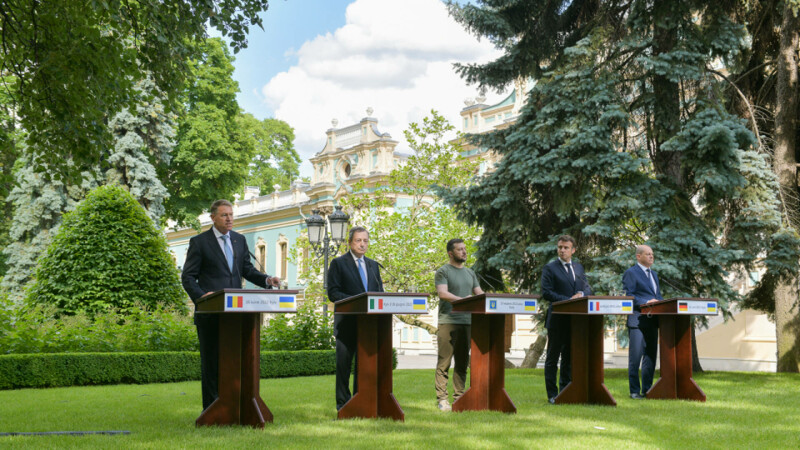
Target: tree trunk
column 696, row 367
column 414, row 321
column 785, row 167
column 534, row 353
column 666, row 107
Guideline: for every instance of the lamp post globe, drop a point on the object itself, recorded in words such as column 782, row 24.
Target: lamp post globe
column 338, row 220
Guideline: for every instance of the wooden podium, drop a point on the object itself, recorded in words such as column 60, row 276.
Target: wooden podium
column 374, row 397
column 487, row 359
column 675, row 345
column 239, row 402
column 587, row 346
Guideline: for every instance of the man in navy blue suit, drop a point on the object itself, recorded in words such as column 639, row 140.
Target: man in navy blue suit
column 217, row 259
column 562, row 279
column 350, row 274
column 641, row 283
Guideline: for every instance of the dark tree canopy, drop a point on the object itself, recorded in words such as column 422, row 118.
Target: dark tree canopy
column 70, row 65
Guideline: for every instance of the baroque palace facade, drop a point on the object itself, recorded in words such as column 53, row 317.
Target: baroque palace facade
column 272, row 223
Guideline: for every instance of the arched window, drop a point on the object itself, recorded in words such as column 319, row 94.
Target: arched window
column 261, row 255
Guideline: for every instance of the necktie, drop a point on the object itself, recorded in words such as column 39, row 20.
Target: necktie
column 363, row 271
column 228, row 251
column 652, row 281
column 570, row 272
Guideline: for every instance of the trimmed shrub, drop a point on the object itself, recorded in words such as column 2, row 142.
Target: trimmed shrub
column 80, row 369
column 107, row 254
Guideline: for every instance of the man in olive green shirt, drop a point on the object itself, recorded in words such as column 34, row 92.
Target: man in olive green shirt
column 453, row 282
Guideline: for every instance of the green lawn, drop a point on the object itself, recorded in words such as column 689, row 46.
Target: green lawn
column 752, row 410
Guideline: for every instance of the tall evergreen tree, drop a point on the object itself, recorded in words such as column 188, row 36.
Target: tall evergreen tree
column 625, row 139
column 38, row 206
column 142, row 142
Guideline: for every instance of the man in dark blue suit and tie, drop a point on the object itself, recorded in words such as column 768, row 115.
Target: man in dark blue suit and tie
column 217, row 259
column 350, row 274
column 562, row 279
column 641, row 283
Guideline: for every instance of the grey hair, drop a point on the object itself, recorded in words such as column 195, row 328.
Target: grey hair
column 215, row 206
column 355, row 230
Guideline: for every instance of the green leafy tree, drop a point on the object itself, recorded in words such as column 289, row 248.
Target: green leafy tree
column 275, row 161
column 106, row 254
column 405, row 214
column 624, row 140
column 211, row 156
column 70, row 65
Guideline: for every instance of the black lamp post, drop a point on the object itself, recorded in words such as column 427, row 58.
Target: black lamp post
column 320, row 239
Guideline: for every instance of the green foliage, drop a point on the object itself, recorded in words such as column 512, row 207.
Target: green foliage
column 624, row 140
column 107, row 254
column 81, row 369
column 38, row 205
column 70, row 65
column 9, row 150
column 275, row 161
column 211, row 157
column 34, row 330
column 406, row 214
column 142, row 142
column 306, row 330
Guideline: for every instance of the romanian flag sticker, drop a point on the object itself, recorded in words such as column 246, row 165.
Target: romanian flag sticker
column 418, row 303
column 286, row 302
column 683, row 306
column 492, row 304
column 235, row 301
column 530, row 306
column 627, row 306
column 712, row 307
column 372, row 303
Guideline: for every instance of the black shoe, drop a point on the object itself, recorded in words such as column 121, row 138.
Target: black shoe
column 637, row 397
column 551, row 400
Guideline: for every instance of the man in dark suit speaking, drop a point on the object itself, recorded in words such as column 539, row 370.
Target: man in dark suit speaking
column 641, row 283
column 562, row 279
column 217, row 259
column 349, row 275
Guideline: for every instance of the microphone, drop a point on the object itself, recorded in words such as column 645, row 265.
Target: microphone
column 375, row 277
column 674, row 284
column 269, row 286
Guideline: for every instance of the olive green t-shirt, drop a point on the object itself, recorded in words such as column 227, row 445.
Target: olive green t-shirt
column 460, row 282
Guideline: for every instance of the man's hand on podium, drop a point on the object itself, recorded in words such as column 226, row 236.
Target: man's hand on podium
column 274, row 281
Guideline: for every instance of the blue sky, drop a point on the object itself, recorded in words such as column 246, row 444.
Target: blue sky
column 319, row 60
column 288, row 24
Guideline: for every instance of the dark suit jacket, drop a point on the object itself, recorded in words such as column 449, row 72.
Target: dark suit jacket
column 206, row 269
column 345, row 281
column 636, row 284
column 558, row 285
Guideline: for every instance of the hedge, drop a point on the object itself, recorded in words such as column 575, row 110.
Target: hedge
column 80, row 369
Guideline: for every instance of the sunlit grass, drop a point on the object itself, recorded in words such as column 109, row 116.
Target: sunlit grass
column 751, row 410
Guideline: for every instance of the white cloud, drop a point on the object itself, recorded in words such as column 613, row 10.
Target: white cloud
column 394, row 56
